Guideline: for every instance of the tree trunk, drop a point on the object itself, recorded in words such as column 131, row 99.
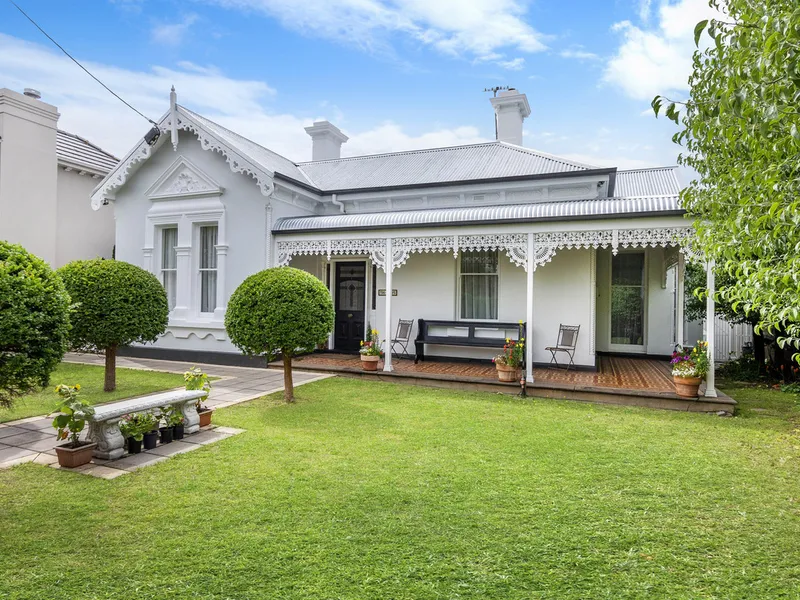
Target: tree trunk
column 111, row 369
column 759, row 353
column 288, row 386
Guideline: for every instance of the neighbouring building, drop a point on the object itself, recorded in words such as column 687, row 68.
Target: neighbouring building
column 480, row 236
column 46, row 180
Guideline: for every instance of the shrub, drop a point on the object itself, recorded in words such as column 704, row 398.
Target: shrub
column 74, row 412
column 281, row 310
column 34, row 322
column 117, row 304
column 744, row 368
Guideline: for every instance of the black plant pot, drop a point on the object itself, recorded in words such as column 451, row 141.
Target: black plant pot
column 177, row 432
column 134, row 446
column 150, row 439
column 166, row 435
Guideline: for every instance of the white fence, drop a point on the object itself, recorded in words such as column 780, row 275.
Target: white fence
column 729, row 339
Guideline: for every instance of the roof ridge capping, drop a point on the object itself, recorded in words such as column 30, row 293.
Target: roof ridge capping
column 553, row 156
column 398, row 152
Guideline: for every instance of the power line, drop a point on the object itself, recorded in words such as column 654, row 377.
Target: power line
column 73, row 59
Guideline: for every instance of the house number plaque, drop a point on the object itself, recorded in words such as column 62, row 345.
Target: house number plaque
column 382, row 292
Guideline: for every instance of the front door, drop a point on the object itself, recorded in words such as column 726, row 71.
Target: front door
column 351, row 285
column 628, row 301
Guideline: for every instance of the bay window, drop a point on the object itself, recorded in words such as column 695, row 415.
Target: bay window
column 169, row 263
column 208, row 268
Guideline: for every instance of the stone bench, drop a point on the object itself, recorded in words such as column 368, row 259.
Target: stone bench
column 104, row 424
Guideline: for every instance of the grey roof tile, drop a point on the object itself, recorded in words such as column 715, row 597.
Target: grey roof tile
column 73, row 150
column 636, row 183
column 539, row 211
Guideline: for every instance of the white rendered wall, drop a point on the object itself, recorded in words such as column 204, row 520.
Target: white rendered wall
column 28, row 187
column 81, row 232
column 245, row 228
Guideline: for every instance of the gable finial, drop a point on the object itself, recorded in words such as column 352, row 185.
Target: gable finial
column 173, row 118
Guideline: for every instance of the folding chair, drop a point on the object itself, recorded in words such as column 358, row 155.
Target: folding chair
column 567, row 340
column 403, row 336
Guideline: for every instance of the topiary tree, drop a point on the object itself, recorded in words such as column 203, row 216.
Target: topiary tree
column 280, row 310
column 34, row 322
column 116, row 304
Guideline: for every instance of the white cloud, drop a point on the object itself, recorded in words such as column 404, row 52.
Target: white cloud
column 477, row 29
column 579, row 53
column 90, row 111
column 516, row 64
column 172, row 34
column 657, row 60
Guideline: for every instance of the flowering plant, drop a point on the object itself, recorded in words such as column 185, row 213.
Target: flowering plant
column 513, row 352
column 690, row 363
column 135, row 425
column 372, row 345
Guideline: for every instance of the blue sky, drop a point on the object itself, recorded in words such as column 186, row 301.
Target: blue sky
column 393, row 74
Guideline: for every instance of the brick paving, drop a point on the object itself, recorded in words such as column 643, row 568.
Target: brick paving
column 613, row 371
column 33, row 439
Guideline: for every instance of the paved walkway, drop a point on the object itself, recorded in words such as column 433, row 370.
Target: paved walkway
column 33, row 439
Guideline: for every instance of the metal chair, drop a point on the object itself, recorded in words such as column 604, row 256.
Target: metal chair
column 567, row 340
column 403, row 336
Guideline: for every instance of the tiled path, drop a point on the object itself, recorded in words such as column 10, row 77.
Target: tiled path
column 613, row 371
column 33, row 439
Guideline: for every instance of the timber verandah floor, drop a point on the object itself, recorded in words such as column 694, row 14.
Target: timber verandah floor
column 618, row 380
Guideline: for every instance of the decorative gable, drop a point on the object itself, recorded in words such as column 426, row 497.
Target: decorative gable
column 183, row 180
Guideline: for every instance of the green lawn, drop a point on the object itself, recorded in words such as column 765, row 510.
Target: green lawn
column 130, row 382
column 372, row 490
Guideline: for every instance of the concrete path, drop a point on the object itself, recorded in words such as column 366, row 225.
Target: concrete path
column 33, row 439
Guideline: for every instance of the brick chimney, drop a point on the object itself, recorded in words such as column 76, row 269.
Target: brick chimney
column 327, row 140
column 511, row 108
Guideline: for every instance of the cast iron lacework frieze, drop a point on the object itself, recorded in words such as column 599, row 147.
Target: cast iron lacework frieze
column 515, row 245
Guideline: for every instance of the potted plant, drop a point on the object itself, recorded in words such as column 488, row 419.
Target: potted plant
column 70, row 422
column 132, row 427
column 165, row 416
column 509, row 363
column 176, row 420
column 371, row 351
column 196, row 379
column 689, row 367
column 150, row 429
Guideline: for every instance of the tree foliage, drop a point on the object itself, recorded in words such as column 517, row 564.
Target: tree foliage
column 116, row 304
column 34, row 322
column 281, row 310
column 740, row 130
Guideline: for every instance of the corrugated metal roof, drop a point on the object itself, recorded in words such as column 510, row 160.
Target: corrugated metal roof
column 491, row 160
column 540, row 211
column 75, row 151
column 272, row 161
column 660, row 181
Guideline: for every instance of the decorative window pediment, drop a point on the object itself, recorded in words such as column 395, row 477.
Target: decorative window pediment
column 183, row 180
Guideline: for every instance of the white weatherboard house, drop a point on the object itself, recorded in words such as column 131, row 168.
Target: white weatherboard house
column 46, row 178
column 487, row 234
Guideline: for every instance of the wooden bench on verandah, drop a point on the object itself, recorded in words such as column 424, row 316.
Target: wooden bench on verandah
column 470, row 334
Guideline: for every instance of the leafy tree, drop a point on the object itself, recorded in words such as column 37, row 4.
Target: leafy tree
column 281, row 310
column 34, row 322
column 116, row 304
column 740, row 129
column 695, row 299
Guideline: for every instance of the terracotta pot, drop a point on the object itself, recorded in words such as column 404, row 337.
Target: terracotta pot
column 205, row 417
column 75, row 457
column 506, row 373
column 686, row 387
column 369, row 363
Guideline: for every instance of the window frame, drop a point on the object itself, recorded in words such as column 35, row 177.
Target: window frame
column 159, row 252
column 459, row 281
column 197, row 295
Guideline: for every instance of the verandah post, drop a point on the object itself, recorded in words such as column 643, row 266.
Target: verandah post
column 711, row 391
column 530, row 263
column 388, row 267
column 680, row 286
